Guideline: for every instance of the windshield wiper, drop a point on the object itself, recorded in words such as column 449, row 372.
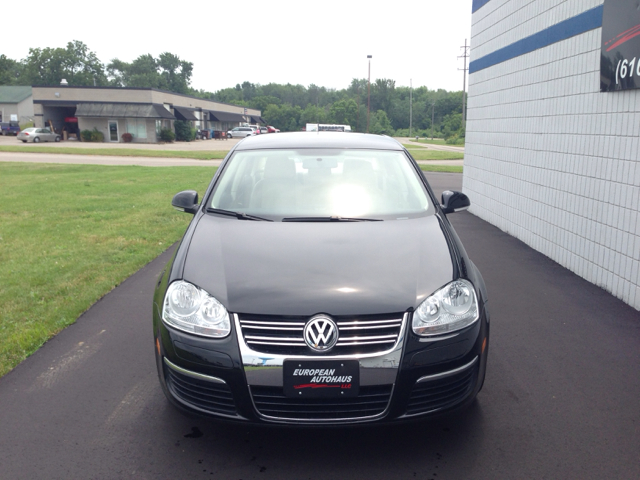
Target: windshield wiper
column 238, row 215
column 333, row 218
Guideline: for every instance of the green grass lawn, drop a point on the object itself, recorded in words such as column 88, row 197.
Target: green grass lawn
column 119, row 152
column 71, row 233
column 420, row 154
column 441, row 168
column 437, row 141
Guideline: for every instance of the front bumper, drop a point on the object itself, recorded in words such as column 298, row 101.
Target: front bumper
column 416, row 378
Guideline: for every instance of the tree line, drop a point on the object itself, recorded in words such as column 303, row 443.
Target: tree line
column 288, row 107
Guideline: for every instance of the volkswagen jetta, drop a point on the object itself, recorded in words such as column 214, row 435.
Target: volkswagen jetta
column 320, row 282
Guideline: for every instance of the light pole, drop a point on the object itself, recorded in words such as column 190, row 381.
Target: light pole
column 368, row 93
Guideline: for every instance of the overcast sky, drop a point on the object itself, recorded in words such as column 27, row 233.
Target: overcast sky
column 314, row 42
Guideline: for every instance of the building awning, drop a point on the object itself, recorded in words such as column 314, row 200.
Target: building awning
column 257, row 119
column 225, row 117
column 183, row 113
column 122, row 110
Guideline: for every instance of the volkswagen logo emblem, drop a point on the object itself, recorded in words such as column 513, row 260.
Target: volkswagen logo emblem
column 321, row 333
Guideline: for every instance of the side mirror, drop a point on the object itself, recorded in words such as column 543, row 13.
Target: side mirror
column 186, row 201
column 454, row 202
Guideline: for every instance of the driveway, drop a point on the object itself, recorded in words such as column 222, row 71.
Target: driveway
column 560, row 398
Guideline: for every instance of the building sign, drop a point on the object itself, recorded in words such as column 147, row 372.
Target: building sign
column 620, row 54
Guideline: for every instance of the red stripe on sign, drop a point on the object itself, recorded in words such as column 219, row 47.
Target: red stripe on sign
column 626, row 36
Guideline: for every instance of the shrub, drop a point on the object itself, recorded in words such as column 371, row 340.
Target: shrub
column 94, row 135
column 184, row 131
column 97, row 135
column 167, row 135
column 127, row 137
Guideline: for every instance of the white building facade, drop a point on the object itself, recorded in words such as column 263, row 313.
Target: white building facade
column 551, row 157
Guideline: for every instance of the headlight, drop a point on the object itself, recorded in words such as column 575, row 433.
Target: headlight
column 451, row 308
column 191, row 309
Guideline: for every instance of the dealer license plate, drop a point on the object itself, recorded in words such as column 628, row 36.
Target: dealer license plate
column 321, row 378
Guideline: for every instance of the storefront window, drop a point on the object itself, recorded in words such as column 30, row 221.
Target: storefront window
column 137, row 127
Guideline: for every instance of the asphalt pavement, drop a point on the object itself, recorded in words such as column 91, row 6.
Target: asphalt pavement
column 561, row 397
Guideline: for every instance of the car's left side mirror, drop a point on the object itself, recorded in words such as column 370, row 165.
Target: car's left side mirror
column 454, row 201
column 186, row 201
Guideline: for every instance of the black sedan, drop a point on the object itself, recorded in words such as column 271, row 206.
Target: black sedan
column 320, row 282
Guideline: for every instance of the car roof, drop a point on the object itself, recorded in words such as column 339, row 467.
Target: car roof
column 320, row 140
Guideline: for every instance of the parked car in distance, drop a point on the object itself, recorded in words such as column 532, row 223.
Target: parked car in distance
column 36, row 135
column 259, row 129
column 271, row 129
column 240, row 132
column 10, row 128
column 320, row 283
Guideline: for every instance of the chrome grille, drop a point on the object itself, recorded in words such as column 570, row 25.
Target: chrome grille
column 284, row 335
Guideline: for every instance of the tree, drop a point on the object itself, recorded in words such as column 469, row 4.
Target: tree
column 284, row 117
column 175, row 74
column 263, row 101
column 75, row 63
column 313, row 114
column 380, row 124
column 452, row 126
column 10, row 71
column 344, row 112
column 168, row 72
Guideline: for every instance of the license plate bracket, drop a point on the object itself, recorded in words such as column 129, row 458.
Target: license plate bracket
column 321, row 378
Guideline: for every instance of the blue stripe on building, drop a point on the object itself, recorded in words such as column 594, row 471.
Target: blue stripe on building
column 561, row 31
column 478, row 4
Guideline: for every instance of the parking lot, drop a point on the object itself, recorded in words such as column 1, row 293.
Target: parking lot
column 560, row 398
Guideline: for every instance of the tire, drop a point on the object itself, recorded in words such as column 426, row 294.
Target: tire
column 24, row 141
column 36, row 139
column 58, row 138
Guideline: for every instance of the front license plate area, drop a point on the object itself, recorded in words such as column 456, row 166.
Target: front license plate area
column 321, row 378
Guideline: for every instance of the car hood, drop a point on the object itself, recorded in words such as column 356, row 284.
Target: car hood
column 339, row 268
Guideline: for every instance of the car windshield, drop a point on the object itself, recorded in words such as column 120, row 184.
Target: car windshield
column 328, row 183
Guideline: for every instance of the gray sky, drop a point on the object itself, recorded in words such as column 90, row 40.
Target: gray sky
column 281, row 41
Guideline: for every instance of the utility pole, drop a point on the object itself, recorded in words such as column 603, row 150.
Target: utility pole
column 410, row 106
column 368, row 93
column 433, row 106
column 464, row 55
column 358, row 114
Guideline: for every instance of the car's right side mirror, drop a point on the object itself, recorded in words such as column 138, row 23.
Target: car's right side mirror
column 454, row 201
column 186, row 201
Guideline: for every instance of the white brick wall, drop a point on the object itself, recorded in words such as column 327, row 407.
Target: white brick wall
column 550, row 159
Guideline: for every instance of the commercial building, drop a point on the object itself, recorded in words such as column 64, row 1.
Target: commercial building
column 16, row 104
column 552, row 143
column 142, row 112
